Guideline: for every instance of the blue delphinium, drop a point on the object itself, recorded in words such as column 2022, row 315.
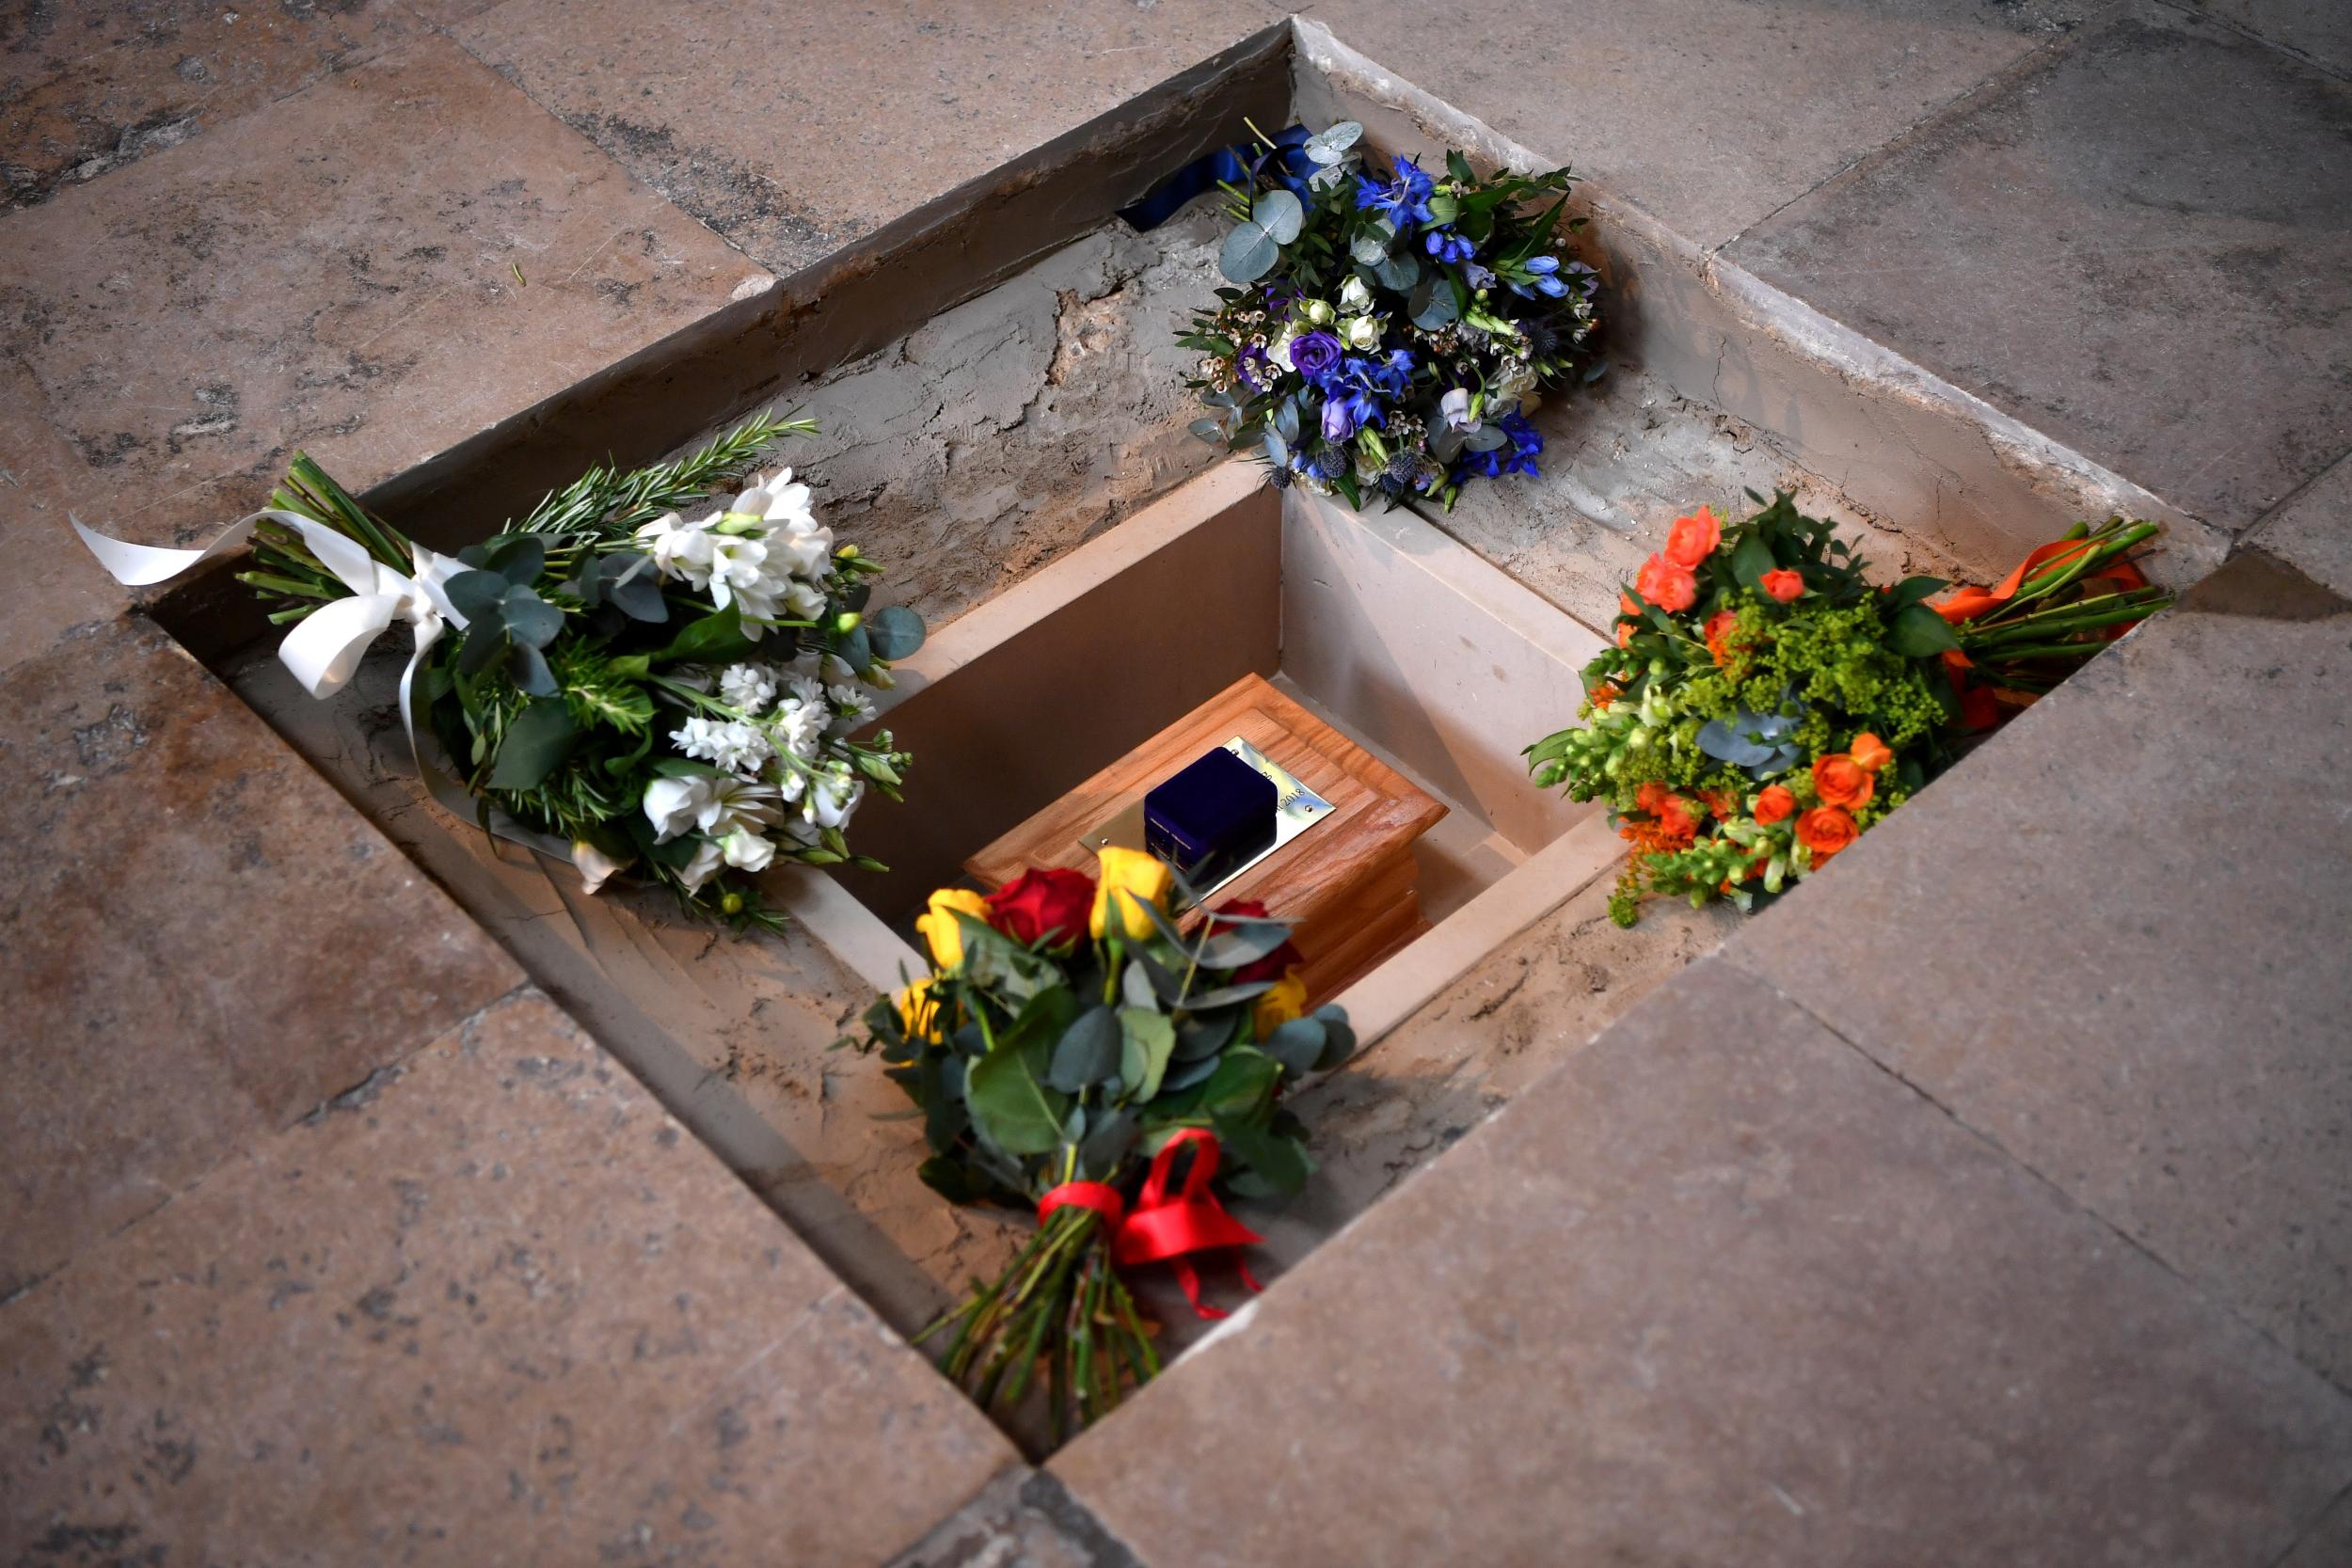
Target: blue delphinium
column 1546, row 270
column 1446, row 245
column 1402, row 201
column 1519, row 457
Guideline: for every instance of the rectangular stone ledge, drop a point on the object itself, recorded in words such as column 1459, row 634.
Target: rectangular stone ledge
column 499, row 1308
column 1719, row 1290
column 205, row 941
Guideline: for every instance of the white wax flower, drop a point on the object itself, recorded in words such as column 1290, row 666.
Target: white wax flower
column 799, row 728
column 851, row 705
column 708, row 857
column 1354, row 297
column 746, row 850
column 679, row 548
column 748, row 687
column 736, row 746
column 775, row 499
column 802, row 687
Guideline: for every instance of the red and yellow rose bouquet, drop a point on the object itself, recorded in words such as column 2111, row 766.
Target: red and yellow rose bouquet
column 1074, row 1051
column 1765, row 705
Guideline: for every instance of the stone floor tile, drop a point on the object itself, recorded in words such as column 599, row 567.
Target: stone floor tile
column 375, row 268
column 52, row 583
column 2319, row 30
column 87, row 88
column 739, row 119
column 1708, row 115
column 2312, row 532
column 203, row 940
column 1024, row 1518
column 2113, row 942
column 2326, row 1544
column 1722, row 1290
column 2160, row 278
column 502, row 1310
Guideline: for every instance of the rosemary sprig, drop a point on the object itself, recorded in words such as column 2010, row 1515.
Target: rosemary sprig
column 609, row 503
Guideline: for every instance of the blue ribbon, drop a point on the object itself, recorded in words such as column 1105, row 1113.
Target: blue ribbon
column 1233, row 164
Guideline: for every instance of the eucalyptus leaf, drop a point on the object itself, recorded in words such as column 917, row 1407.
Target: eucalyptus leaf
column 1279, row 214
column 1108, row 1143
column 530, row 619
column 485, row 643
column 1488, row 438
column 1088, row 1051
column 1330, row 143
column 1211, row 430
column 1135, row 986
column 1286, row 420
column 1399, row 272
column 520, row 558
column 1372, row 243
column 1185, row 1075
column 532, row 674
column 1147, row 1039
column 1297, row 1045
column 476, row 594
column 894, row 631
column 1339, row 1037
column 855, row 648
column 1199, row 1035
column 534, row 745
column 1431, row 303
column 634, row 587
column 1250, row 253
column 1277, row 451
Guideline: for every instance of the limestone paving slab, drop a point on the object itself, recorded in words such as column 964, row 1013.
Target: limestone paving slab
column 738, row 117
column 203, row 940
column 86, row 89
column 1710, row 116
column 2313, row 531
column 52, row 582
column 2319, row 30
column 2138, row 987
column 1720, row 1289
column 2153, row 275
column 501, row 1309
column 373, row 269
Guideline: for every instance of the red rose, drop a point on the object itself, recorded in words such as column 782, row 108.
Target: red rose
column 1782, row 584
column 1275, row 964
column 1051, row 903
column 1669, row 586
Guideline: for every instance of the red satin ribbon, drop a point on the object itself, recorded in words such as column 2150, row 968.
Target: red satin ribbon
column 1167, row 1227
column 1979, row 705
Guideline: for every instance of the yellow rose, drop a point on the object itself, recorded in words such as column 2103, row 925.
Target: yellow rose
column 938, row 924
column 1276, row 1007
column 918, row 1010
column 1134, row 878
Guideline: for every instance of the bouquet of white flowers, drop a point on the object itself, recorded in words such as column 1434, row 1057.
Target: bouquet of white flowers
column 613, row 679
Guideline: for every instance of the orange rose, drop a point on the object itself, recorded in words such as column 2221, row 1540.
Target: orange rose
column 1720, row 627
column 1604, row 694
column 1781, row 583
column 1825, row 830
column 1672, row 812
column 1840, row 781
column 1693, row 539
column 1774, row 804
column 1869, row 752
column 1667, row 585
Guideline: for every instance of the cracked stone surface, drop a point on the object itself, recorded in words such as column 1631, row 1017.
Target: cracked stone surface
column 1017, row 425
column 500, row 1311
column 1024, row 1518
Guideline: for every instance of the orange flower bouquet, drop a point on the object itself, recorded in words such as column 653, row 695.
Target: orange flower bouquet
column 1764, row 704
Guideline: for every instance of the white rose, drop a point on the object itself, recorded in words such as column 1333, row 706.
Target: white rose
column 1456, row 406
column 1281, row 351
column 707, row 859
column 672, row 805
column 1354, row 297
column 746, row 850
column 1318, row 311
column 1363, row 332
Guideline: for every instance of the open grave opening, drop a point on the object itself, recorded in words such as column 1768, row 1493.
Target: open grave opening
column 1091, row 572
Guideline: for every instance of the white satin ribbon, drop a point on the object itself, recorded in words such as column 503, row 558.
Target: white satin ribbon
column 324, row 648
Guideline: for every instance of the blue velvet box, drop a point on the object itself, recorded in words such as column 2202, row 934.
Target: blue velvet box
column 1213, row 817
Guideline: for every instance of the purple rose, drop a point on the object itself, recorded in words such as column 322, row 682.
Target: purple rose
column 1313, row 353
column 1339, row 420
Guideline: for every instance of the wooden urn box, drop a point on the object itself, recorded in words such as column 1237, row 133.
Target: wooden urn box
column 1349, row 881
